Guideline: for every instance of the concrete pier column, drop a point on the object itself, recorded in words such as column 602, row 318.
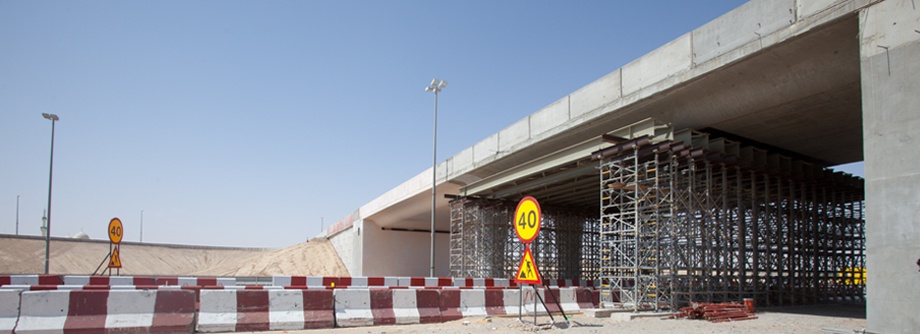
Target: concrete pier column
column 889, row 33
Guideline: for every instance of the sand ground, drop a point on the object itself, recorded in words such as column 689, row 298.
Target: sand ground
column 25, row 255
column 838, row 318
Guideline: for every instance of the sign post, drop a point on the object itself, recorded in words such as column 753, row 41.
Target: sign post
column 527, row 220
column 116, row 232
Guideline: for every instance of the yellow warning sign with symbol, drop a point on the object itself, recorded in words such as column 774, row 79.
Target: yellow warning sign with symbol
column 527, row 273
column 115, row 259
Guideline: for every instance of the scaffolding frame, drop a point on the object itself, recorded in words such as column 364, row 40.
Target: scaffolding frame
column 707, row 219
column 483, row 242
column 685, row 216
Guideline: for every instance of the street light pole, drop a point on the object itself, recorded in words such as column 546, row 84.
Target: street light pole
column 54, row 118
column 17, row 214
column 436, row 86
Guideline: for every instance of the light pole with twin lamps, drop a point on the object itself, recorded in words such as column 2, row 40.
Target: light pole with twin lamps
column 436, row 86
column 54, row 118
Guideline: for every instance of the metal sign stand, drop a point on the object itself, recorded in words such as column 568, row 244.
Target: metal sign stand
column 116, row 231
column 527, row 221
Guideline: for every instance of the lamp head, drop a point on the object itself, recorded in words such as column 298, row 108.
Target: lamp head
column 52, row 117
column 436, row 85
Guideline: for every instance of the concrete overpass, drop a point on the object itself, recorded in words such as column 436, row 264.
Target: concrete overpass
column 826, row 81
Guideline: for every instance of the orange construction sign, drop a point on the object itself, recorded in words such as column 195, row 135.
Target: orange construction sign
column 115, row 259
column 527, row 273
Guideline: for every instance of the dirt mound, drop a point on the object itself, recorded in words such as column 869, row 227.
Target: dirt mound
column 26, row 254
column 316, row 257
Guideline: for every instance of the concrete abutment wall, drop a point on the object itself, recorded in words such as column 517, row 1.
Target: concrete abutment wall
column 890, row 74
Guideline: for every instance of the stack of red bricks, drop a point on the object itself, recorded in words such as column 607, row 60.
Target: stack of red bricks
column 715, row 312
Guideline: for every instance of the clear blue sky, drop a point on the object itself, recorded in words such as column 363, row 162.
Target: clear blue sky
column 240, row 123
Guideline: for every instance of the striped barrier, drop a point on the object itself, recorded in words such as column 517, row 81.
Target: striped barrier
column 150, row 311
column 339, row 282
column 298, row 281
column 114, row 280
column 9, row 310
column 483, row 282
column 258, row 308
column 392, row 282
column 312, row 281
column 30, row 280
column 414, row 306
column 587, row 298
column 370, row 307
column 374, row 282
column 564, row 296
column 110, row 280
column 363, row 307
column 426, row 282
column 510, row 301
column 460, row 303
column 264, row 310
column 195, row 289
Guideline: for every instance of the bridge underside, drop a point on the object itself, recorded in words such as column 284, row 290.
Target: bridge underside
column 741, row 207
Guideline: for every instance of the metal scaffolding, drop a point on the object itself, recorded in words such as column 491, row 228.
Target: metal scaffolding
column 684, row 216
column 483, row 243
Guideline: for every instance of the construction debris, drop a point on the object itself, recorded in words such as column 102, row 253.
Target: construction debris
column 714, row 312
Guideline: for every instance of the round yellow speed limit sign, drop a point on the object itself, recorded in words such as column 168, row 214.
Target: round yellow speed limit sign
column 527, row 219
column 115, row 230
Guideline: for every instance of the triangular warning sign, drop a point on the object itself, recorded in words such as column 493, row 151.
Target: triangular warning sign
column 115, row 260
column 527, row 272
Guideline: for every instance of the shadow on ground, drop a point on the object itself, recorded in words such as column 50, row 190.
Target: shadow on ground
column 848, row 310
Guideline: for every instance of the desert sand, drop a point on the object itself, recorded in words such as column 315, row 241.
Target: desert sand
column 837, row 318
column 25, row 255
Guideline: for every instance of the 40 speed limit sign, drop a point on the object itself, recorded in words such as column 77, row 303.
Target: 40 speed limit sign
column 527, row 219
column 116, row 231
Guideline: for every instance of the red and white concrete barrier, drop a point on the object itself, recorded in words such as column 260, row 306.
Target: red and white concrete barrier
column 114, row 280
column 427, row 282
column 312, row 281
column 263, row 310
column 9, row 310
column 461, row 303
column 374, row 282
column 109, row 280
column 370, row 307
column 30, row 280
column 415, row 306
column 363, row 307
column 565, row 297
column 196, row 281
column 149, row 311
column 510, row 301
column 587, row 298
column 456, row 304
column 414, row 282
column 482, row 282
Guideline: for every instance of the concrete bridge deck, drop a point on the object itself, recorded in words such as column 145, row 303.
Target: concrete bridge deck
column 827, row 81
